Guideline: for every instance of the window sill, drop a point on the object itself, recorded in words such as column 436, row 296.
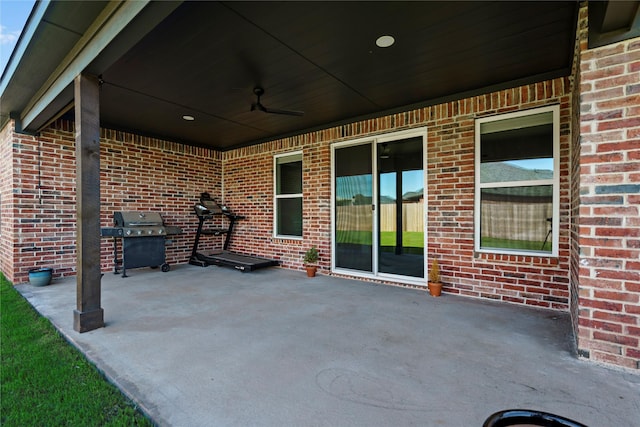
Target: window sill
column 517, row 257
column 286, row 239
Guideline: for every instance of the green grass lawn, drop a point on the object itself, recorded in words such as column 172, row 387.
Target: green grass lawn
column 529, row 245
column 411, row 239
column 415, row 240
column 44, row 381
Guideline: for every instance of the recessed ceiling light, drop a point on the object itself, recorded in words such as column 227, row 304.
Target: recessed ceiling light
column 188, row 118
column 385, row 41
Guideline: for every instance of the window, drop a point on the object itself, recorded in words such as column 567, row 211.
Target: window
column 517, row 182
column 288, row 195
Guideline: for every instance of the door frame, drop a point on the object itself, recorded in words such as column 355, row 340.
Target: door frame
column 376, row 141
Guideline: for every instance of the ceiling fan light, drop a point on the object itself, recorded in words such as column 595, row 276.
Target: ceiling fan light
column 385, row 41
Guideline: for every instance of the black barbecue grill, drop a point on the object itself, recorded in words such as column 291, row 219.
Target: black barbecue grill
column 141, row 237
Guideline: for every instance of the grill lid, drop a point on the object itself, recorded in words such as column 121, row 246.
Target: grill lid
column 137, row 219
column 138, row 224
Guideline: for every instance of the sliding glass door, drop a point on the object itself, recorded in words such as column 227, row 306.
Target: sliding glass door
column 353, row 208
column 401, row 208
column 379, row 207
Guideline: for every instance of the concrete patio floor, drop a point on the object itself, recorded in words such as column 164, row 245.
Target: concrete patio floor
column 216, row 347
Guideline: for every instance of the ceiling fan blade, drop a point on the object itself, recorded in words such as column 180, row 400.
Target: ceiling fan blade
column 258, row 91
column 283, row 112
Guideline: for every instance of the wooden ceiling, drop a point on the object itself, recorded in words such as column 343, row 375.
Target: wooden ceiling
column 321, row 58
column 203, row 59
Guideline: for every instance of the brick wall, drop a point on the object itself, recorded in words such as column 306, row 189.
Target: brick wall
column 574, row 270
column 37, row 229
column 147, row 174
column 137, row 173
column 610, row 204
column 532, row 280
column 6, row 201
column 251, row 194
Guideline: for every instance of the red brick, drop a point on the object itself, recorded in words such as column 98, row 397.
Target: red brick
column 615, row 317
column 602, row 305
column 617, row 339
column 618, row 274
column 601, row 326
column 618, row 124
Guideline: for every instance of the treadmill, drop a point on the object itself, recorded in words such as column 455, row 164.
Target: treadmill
column 206, row 210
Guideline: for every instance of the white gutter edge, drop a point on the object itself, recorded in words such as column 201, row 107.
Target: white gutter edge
column 115, row 17
column 23, row 42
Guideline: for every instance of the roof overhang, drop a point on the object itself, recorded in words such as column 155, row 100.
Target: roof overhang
column 160, row 61
column 613, row 21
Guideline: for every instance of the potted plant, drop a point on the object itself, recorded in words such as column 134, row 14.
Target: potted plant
column 435, row 285
column 310, row 260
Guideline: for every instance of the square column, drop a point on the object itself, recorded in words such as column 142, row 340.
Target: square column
column 88, row 314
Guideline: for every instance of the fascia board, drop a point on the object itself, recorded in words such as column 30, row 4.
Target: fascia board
column 113, row 19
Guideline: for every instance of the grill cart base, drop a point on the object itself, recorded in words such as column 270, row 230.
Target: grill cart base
column 137, row 253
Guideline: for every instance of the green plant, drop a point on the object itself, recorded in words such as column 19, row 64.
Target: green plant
column 434, row 274
column 311, row 256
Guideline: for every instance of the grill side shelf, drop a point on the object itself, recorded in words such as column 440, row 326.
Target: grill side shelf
column 172, row 230
column 111, row 232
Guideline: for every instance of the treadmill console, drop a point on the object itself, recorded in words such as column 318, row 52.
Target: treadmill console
column 208, row 207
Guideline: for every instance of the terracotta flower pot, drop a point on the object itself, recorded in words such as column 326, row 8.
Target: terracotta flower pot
column 435, row 288
column 311, row 271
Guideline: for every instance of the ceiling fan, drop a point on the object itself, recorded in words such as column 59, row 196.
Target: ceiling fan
column 258, row 91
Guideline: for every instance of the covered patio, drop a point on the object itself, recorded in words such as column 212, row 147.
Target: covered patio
column 139, row 106
column 212, row 346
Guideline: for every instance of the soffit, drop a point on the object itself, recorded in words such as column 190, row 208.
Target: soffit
column 205, row 58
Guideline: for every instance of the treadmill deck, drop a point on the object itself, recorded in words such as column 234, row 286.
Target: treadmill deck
column 237, row 261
